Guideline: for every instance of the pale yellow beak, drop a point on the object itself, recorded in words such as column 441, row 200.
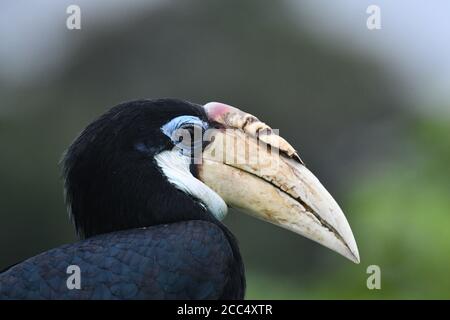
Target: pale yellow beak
column 258, row 172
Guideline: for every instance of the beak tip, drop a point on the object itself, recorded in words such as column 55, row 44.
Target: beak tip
column 348, row 246
column 354, row 252
column 353, row 255
column 356, row 259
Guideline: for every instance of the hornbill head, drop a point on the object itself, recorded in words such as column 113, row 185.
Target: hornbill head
column 150, row 162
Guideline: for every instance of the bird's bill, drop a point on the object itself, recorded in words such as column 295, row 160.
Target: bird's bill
column 261, row 174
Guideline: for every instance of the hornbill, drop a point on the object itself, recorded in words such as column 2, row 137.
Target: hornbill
column 147, row 185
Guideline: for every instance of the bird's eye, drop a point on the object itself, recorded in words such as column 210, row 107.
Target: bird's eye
column 189, row 138
column 187, row 134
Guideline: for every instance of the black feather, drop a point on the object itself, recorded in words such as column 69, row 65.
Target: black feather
column 186, row 260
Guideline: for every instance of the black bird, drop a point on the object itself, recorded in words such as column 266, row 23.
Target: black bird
column 147, row 185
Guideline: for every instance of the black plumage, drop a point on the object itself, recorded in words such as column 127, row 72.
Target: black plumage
column 112, row 183
column 111, row 179
column 184, row 260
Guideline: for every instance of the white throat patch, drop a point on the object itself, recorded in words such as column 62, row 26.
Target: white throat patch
column 175, row 167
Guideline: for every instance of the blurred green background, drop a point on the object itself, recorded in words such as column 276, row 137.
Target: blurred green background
column 367, row 110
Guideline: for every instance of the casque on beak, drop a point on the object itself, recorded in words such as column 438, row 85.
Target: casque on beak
column 260, row 173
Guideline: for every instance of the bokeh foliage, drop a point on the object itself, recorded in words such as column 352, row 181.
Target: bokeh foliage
column 401, row 220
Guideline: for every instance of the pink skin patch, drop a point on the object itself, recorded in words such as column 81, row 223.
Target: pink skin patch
column 215, row 110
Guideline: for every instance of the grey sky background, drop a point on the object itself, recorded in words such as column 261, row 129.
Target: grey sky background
column 413, row 44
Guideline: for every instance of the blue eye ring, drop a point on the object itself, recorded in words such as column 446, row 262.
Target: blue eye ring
column 174, row 129
column 178, row 122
